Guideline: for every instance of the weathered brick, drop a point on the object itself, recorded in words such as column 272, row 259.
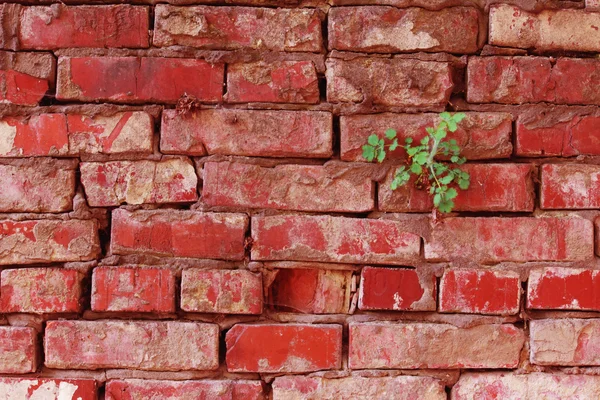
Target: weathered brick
column 357, row 387
column 517, row 80
column 144, row 345
column 25, row 77
column 262, row 133
column 334, row 239
column 549, row 30
column 40, row 290
column 525, row 386
column 389, row 82
column 494, row 187
column 311, row 290
column 592, row 5
column 480, row 292
column 566, row 341
column 479, row 135
column 133, row 288
column 396, row 289
column 138, row 79
column 542, row 135
column 284, row 347
column 380, row 29
column 273, row 82
column 113, row 183
column 179, row 233
column 130, row 389
column 44, row 186
column 47, row 389
column 39, row 135
column 18, row 350
column 563, row 288
column 48, row 28
column 45, row 241
column 330, row 188
column 570, row 186
column 232, row 28
column 225, row 292
column 492, row 240
column 427, row 345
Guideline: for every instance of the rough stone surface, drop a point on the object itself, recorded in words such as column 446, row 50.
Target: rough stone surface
column 152, row 345
column 293, row 348
column 563, row 289
column 389, row 82
column 391, row 388
column 564, row 341
column 570, row 186
column 179, row 233
column 492, row 240
column 233, row 28
column 139, row 182
column 426, row 345
column 277, row 82
column 332, row 239
column 224, row 292
column 480, row 292
column 479, row 135
column 41, row 290
column 18, row 350
column 396, row 289
column 380, row 29
column 133, row 288
column 260, row 133
column 47, row 389
column 335, row 188
column 45, row 241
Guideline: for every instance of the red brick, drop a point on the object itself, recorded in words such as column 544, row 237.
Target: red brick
column 525, row 386
column 261, row 133
column 44, row 186
column 39, row 135
column 335, row 239
column 492, row 240
column 428, row 345
column 131, row 389
column 330, row 188
column 592, row 5
column 40, row 290
column 133, row 288
column 516, row 80
column 389, row 82
column 47, row 389
column 380, row 29
column 284, row 347
column 48, row 28
column 480, row 292
column 357, row 387
column 396, row 289
column 570, row 136
column 45, row 241
column 570, row 186
column 232, row 28
column 479, row 135
column 144, row 345
column 549, row 30
column 274, row 82
column 494, row 187
column 179, row 233
column 138, row 79
column 18, row 350
column 171, row 180
column 23, row 89
column 225, row 292
column 568, row 342
column 311, row 291
column 556, row 288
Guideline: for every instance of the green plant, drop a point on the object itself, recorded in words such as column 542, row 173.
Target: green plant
column 433, row 175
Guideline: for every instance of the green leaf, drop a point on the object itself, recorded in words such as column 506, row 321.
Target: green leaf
column 431, row 190
column 381, row 156
column 421, row 158
column 445, row 116
column 408, row 140
column 446, row 206
column 416, row 169
column 373, row 140
column 436, row 199
column 447, row 179
column 425, row 140
column 452, row 142
column 381, row 143
column 394, row 145
column 411, row 151
column 461, row 161
column 430, row 130
column 452, row 126
column 454, row 158
column 390, row 133
column 368, row 152
column 451, row 194
column 459, row 117
column 464, row 184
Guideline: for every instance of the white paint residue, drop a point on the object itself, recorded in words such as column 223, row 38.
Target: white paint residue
column 397, row 301
column 7, row 138
column 401, row 37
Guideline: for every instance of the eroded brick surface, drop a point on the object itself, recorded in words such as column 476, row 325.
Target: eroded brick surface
column 45, row 388
column 18, row 350
column 564, row 341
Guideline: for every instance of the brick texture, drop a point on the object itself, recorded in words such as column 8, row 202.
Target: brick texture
column 564, row 342
column 18, row 350
column 569, row 186
column 45, row 388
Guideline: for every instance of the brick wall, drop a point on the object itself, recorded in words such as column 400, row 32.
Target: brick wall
column 186, row 213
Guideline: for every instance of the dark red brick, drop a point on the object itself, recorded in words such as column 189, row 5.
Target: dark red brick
column 561, row 288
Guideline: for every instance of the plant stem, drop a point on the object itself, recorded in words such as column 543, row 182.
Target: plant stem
column 434, row 150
